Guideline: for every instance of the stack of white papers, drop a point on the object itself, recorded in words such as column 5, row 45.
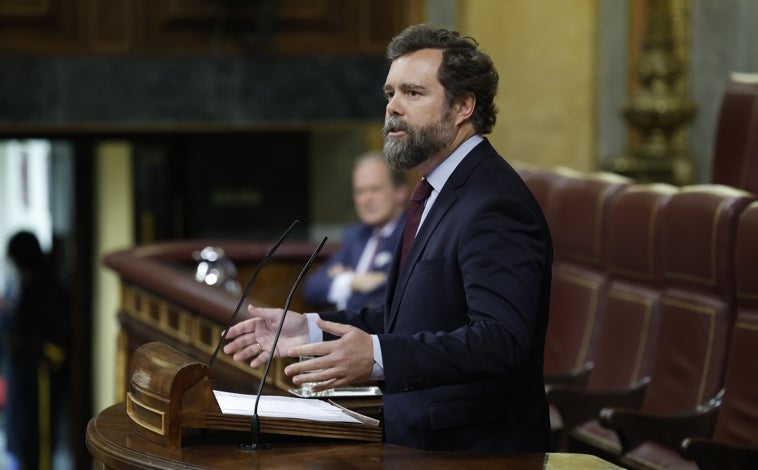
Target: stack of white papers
column 281, row 407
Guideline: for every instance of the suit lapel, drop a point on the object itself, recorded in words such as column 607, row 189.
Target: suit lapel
column 398, row 281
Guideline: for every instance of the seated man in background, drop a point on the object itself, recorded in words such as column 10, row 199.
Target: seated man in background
column 356, row 274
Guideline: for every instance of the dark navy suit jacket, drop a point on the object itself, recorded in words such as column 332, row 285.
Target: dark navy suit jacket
column 316, row 285
column 462, row 331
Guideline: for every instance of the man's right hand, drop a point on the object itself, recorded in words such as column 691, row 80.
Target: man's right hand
column 252, row 339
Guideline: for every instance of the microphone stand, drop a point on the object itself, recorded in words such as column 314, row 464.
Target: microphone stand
column 263, row 261
column 255, row 426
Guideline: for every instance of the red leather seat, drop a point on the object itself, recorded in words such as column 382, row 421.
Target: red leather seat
column 734, row 443
column 731, row 423
column 627, row 339
column 697, row 310
column 543, row 184
column 578, row 218
column 630, row 328
column 735, row 155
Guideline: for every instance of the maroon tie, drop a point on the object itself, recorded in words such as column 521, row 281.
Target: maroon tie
column 413, row 217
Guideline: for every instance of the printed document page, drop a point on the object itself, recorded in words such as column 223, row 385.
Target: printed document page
column 281, row 407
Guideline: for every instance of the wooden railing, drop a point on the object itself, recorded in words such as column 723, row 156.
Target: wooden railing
column 161, row 301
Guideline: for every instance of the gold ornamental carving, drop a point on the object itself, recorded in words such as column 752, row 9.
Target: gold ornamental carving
column 659, row 109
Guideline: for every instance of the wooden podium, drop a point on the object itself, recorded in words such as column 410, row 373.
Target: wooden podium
column 170, row 392
column 113, row 445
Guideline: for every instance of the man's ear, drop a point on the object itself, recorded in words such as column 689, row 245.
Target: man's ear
column 464, row 108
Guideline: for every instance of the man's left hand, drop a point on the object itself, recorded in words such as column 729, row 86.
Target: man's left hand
column 339, row 363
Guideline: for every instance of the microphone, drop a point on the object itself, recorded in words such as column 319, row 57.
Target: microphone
column 255, row 426
column 263, row 261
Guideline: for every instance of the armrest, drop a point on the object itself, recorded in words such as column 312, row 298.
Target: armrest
column 577, row 405
column 710, row 454
column 634, row 427
column 576, row 378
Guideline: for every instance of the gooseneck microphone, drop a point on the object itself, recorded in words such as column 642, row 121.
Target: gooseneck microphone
column 255, row 427
column 263, row 261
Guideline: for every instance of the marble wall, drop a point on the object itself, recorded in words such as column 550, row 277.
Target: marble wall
column 228, row 90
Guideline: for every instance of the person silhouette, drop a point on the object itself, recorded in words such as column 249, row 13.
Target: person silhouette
column 32, row 326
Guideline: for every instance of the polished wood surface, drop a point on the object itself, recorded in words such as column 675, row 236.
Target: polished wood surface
column 111, row 443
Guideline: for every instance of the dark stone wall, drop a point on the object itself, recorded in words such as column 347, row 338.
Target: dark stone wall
column 217, row 90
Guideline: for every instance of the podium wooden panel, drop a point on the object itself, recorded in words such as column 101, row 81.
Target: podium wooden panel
column 170, row 392
column 114, row 446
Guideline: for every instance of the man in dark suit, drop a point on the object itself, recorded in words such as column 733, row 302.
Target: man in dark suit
column 356, row 274
column 458, row 345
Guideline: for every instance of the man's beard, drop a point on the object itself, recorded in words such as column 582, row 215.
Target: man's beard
column 419, row 145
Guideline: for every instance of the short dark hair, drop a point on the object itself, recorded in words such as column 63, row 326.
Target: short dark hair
column 464, row 68
column 25, row 251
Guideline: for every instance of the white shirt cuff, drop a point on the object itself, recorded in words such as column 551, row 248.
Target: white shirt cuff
column 378, row 372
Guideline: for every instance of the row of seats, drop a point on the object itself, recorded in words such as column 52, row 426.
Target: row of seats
column 653, row 330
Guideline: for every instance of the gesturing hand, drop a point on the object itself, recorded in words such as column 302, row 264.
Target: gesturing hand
column 345, row 361
column 252, row 339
